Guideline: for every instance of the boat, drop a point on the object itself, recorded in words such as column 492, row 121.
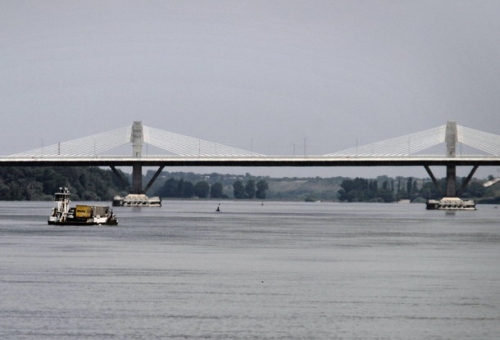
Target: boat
column 63, row 214
column 451, row 203
column 136, row 200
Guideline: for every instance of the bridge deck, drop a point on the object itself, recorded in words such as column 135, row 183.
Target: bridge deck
column 257, row 161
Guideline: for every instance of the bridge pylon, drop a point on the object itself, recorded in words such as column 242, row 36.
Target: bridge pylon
column 451, row 139
column 137, row 139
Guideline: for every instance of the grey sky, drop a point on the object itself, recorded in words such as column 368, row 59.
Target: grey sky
column 261, row 74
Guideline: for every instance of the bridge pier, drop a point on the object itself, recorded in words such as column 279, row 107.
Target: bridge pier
column 451, row 138
column 451, row 181
column 137, row 139
column 136, row 187
column 136, row 179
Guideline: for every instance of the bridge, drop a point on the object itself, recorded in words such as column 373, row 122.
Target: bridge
column 183, row 150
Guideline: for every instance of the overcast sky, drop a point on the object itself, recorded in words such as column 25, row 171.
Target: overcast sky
column 266, row 75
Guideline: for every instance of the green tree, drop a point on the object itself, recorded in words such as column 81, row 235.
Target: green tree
column 187, row 189
column 238, row 189
column 429, row 191
column 169, row 188
column 385, row 193
column 474, row 190
column 414, row 190
column 201, row 189
column 400, row 191
column 354, row 190
column 363, row 190
column 250, row 188
column 409, row 188
column 372, row 192
column 385, row 185
column 180, row 188
column 262, row 188
column 216, row 190
column 347, row 186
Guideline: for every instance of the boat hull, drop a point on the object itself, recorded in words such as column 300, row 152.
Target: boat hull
column 82, row 223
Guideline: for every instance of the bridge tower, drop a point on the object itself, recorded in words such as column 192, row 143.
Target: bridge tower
column 137, row 139
column 451, row 138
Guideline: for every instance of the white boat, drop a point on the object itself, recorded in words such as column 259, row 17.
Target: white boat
column 136, row 200
column 491, row 182
column 451, row 203
column 63, row 214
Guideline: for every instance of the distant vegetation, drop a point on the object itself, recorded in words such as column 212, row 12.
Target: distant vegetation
column 98, row 184
column 386, row 189
column 211, row 186
column 40, row 183
column 173, row 188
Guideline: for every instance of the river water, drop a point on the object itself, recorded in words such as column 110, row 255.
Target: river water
column 252, row 271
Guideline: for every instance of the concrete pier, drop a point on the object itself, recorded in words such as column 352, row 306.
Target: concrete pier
column 137, row 139
column 451, row 138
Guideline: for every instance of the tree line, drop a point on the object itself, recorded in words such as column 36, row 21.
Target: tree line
column 40, row 183
column 250, row 189
column 98, row 184
column 390, row 190
column 180, row 188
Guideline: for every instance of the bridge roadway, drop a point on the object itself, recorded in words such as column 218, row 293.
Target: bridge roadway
column 253, row 161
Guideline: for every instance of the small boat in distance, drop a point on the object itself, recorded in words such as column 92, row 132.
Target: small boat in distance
column 136, row 200
column 451, row 203
column 62, row 214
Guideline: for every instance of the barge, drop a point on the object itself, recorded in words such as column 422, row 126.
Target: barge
column 63, row 214
column 136, row 200
column 451, row 203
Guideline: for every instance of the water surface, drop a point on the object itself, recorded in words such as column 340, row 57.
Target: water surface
column 252, row 271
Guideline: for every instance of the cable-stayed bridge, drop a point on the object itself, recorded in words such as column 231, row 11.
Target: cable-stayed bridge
column 180, row 150
column 415, row 143
column 99, row 144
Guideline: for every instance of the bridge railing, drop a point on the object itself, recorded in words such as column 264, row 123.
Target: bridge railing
column 215, row 157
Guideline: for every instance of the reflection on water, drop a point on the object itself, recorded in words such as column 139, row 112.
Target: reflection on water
column 252, row 271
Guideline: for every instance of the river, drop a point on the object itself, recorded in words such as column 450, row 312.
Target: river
column 278, row 270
